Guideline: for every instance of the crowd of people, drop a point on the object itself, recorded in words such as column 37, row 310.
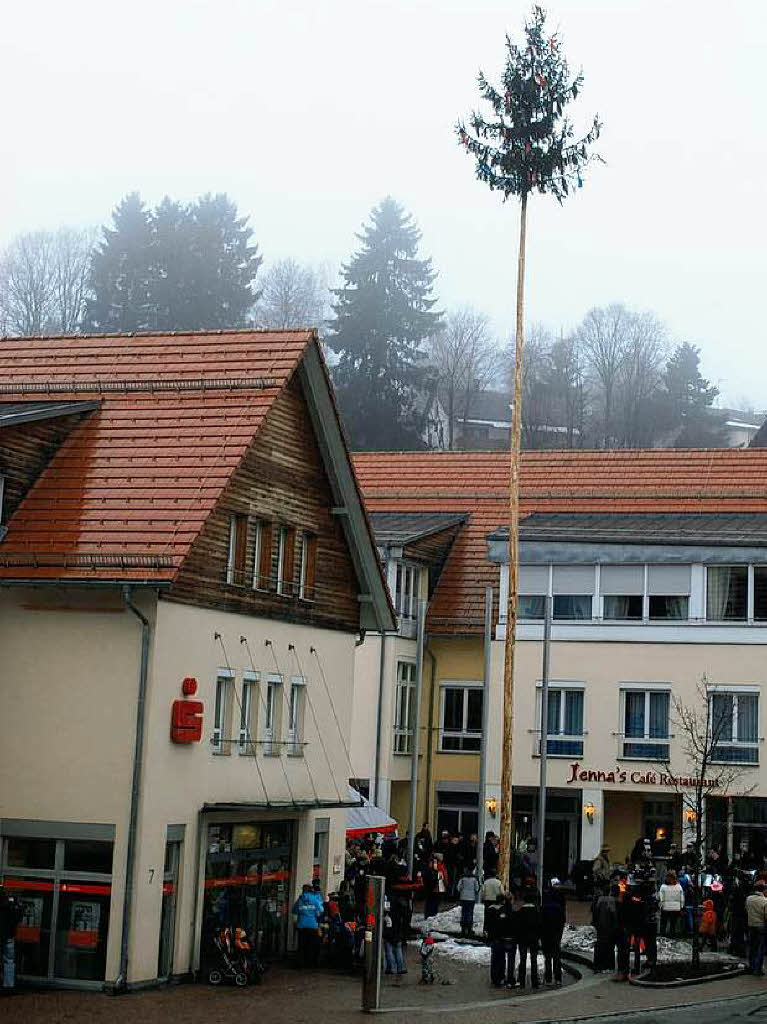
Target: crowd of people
column 719, row 902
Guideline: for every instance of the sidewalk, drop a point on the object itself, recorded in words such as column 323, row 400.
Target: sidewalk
column 288, row 995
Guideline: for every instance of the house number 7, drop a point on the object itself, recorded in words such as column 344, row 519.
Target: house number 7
column 151, row 875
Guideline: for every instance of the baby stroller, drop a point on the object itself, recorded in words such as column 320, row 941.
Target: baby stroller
column 235, row 959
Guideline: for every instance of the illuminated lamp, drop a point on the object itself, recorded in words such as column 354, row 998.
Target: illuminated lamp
column 589, row 811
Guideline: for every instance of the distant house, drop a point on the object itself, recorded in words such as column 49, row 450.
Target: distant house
column 486, row 425
column 741, row 427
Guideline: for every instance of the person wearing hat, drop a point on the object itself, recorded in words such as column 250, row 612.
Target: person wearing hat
column 756, row 913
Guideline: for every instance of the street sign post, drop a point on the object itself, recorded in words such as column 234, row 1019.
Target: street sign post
column 371, row 974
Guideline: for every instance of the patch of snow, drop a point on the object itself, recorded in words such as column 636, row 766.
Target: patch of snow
column 581, row 939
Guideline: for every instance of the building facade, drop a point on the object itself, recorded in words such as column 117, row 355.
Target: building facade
column 185, row 570
column 659, row 600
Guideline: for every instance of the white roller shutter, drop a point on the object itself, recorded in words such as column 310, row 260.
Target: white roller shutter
column 573, row 579
column 669, row 580
column 533, row 579
column 621, row 579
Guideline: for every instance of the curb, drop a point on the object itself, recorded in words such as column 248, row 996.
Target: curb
column 736, row 972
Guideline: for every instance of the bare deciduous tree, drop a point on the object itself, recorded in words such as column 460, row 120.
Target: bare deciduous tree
column 466, row 361
column 704, row 729
column 602, row 337
column 645, row 350
column 293, row 296
column 44, row 277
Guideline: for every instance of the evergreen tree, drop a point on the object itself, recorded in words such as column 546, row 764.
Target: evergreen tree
column 178, row 268
column 383, row 315
column 688, row 399
column 221, row 288
column 121, row 272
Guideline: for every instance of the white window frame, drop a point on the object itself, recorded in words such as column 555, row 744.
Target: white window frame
column 280, row 556
column 407, row 595
column 232, row 547
column 246, row 738
column 222, row 710
column 272, row 714
column 403, row 733
column 563, row 687
column 306, row 536
column 734, row 691
column 257, row 536
column 457, row 684
column 655, row 741
column 296, row 699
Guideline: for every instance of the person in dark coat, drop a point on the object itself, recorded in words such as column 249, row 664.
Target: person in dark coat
column 606, row 925
column 500, row 928
column 529, row 936
column 489, row 855
column 11, row 913
column 430, row 878
column 552, row 926
column 423, row 846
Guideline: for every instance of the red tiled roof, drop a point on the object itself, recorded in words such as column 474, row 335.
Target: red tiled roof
column 657, row 480
column 130, row 487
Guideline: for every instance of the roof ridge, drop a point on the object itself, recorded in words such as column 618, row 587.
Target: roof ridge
column 207, row 332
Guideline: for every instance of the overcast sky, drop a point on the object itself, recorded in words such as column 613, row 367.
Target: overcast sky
column 307, row 113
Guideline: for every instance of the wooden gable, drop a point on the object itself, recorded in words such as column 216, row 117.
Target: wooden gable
column 282, row 490
column 25, row 451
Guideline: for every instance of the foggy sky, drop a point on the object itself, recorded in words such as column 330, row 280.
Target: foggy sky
column 308, row 113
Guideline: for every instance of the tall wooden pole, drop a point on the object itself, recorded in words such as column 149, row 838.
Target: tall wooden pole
column 504, row 862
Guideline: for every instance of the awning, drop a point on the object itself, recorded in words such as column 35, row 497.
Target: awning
column 365, row 817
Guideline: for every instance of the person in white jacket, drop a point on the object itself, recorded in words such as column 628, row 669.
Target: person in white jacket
column 671, row 902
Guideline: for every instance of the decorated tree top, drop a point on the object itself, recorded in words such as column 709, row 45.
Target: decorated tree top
column 529, row 142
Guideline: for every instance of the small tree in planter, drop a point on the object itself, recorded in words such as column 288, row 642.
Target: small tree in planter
column 705, row 730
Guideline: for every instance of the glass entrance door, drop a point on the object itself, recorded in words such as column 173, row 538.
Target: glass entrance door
column 247, row 883
column 168, row 913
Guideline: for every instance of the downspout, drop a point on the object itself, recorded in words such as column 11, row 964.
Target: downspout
column 430, row 735
column 381, row 664
column 138, row 750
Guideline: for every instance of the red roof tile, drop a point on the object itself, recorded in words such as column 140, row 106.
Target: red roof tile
column 657, row 480
column 130, row 487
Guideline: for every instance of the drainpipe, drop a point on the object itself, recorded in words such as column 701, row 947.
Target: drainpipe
column 130, row 859
column 378, row 716
column 430, row 735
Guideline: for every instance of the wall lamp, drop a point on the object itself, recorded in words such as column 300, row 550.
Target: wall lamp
column 492, row 806
column 691, row 817
column 589, row 810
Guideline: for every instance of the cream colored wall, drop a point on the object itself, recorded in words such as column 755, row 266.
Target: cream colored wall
column 623, row 815
column 68, row 686
column 180, row 779
column 367, row 660
column 603, row 667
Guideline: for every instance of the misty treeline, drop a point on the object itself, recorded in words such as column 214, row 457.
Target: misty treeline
column 408, row 375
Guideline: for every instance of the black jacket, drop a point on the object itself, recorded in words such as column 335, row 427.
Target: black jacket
column 528, row 924
column 500, row 921
column 553, row 914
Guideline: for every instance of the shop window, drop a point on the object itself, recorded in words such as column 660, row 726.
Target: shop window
column 296, row 703
column 286, row 561
column 222, row 712
column 170, row 875
column 457, row 812
column 308, row 567
column 734, row 719
column 246, row 741
column 726, row 593
column 404, row 707
column 31, row 853
column 88, row 855
column 262, row 555
column 238, row 541
column 64, row 890
column 646, row 724
column 272, row 715
column 564, row 737
column 461, row 718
